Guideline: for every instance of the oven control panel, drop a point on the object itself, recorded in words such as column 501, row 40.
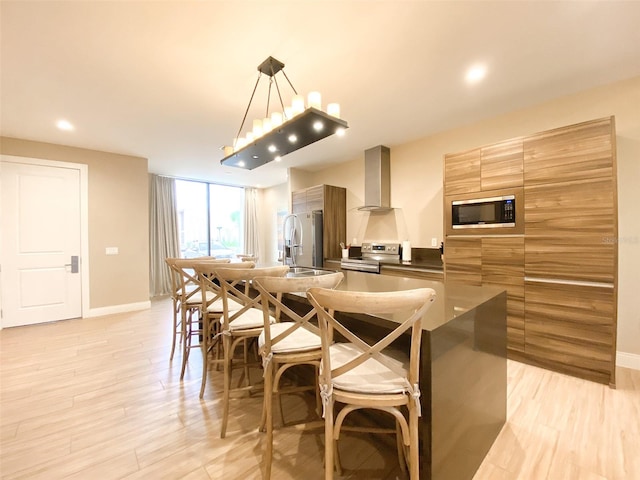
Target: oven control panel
column 376, row 248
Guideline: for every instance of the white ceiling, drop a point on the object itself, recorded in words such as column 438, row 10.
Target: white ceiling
column 170, row 80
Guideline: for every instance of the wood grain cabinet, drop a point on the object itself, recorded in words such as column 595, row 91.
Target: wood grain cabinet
column 462, row 172
column 495, row 261
column 493, row 167
column 561, row 274
column 570, row 251
column 463, row 260
column 333, row 203
column 501, row 165
column 570, row 328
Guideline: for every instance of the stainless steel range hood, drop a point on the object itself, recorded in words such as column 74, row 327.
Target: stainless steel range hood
column 377, row 179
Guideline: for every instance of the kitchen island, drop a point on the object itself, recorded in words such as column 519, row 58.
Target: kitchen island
column 463, row 371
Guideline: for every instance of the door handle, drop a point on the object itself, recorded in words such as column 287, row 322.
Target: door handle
column 75, row 260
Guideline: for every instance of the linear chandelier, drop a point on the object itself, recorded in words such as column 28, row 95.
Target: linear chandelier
column 284, row 131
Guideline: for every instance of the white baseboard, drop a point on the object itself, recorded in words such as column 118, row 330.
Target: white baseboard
column 129, row 307
column 628, row 360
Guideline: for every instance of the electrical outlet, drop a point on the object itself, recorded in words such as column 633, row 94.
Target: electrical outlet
column 434, row 242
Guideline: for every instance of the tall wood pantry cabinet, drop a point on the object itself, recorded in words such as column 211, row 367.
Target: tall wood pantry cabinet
column 560, row 267
column 333, row 203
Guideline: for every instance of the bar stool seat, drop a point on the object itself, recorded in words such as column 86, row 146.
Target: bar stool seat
column 217, row 307
column 251, row 318
column 300, row 340
column 370, row 376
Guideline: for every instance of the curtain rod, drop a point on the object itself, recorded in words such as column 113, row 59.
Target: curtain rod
column 200, row 181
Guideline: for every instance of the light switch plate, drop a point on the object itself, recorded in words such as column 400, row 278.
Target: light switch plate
column 111, row 250
column 434, row 242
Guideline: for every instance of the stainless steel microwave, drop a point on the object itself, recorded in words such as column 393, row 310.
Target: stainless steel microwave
column 491, row 212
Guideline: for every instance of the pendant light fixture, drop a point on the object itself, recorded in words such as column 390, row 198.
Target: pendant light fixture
column 282, row 131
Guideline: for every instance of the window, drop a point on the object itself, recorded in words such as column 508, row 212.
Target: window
column 209, row 219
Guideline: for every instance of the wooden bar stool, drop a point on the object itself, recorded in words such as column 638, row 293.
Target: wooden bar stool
column 190, row 302
column 242, row 325
column 212, row 309
column 291, row 341
column 362, row 376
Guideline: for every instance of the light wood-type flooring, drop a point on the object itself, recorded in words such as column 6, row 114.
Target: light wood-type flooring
column 99, row 399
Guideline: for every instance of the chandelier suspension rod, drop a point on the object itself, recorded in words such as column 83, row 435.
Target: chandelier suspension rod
column 290, row 84
column 278, row 90
column 274, row 79
column 268, row 98
column 248, row 106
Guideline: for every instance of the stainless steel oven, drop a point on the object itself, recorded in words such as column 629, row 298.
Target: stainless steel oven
column 373, row 254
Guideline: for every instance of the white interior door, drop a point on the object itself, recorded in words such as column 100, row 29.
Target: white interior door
column 41, row 227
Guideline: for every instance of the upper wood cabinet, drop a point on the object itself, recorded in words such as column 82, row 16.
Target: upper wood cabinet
column 311, row 198
column 570, row 212
column 571, row 154
column 501, row 165
column 492, row 167
column 462, row 172
column 299, row 201
column 333, row 203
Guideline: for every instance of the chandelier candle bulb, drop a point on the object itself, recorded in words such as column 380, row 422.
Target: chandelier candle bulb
column 276, row 119
column 249, row 137
column 257, row 128
column 314, row 99
column 297, row 104
column 266, row 125
column 333, row 109
column 288, row 113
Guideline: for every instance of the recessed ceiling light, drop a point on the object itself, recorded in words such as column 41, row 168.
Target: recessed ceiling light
column 317, row 126
column 66, row 125
column 293, row 138
column 278, row 158
column 476, row 73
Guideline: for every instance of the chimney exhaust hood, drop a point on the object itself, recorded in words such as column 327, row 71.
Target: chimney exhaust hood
column 377, row 179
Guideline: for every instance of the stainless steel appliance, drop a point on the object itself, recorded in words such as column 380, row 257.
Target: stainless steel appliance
column 303, row 239
column 373, row 254
column 493, row 212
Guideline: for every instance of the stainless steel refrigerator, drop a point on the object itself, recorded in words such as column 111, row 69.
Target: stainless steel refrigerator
column 303, row 239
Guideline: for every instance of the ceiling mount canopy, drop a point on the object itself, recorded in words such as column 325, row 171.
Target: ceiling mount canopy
column 282, row 131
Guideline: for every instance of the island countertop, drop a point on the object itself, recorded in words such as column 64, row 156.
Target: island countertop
column 463, row 368
column 452, row 299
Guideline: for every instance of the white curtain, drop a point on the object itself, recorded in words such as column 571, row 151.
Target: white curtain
column 163, row 232
column 251, row 244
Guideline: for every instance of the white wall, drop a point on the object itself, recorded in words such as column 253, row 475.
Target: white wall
column 270, row 202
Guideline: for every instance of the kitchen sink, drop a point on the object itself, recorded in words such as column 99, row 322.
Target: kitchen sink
column 308, row 272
